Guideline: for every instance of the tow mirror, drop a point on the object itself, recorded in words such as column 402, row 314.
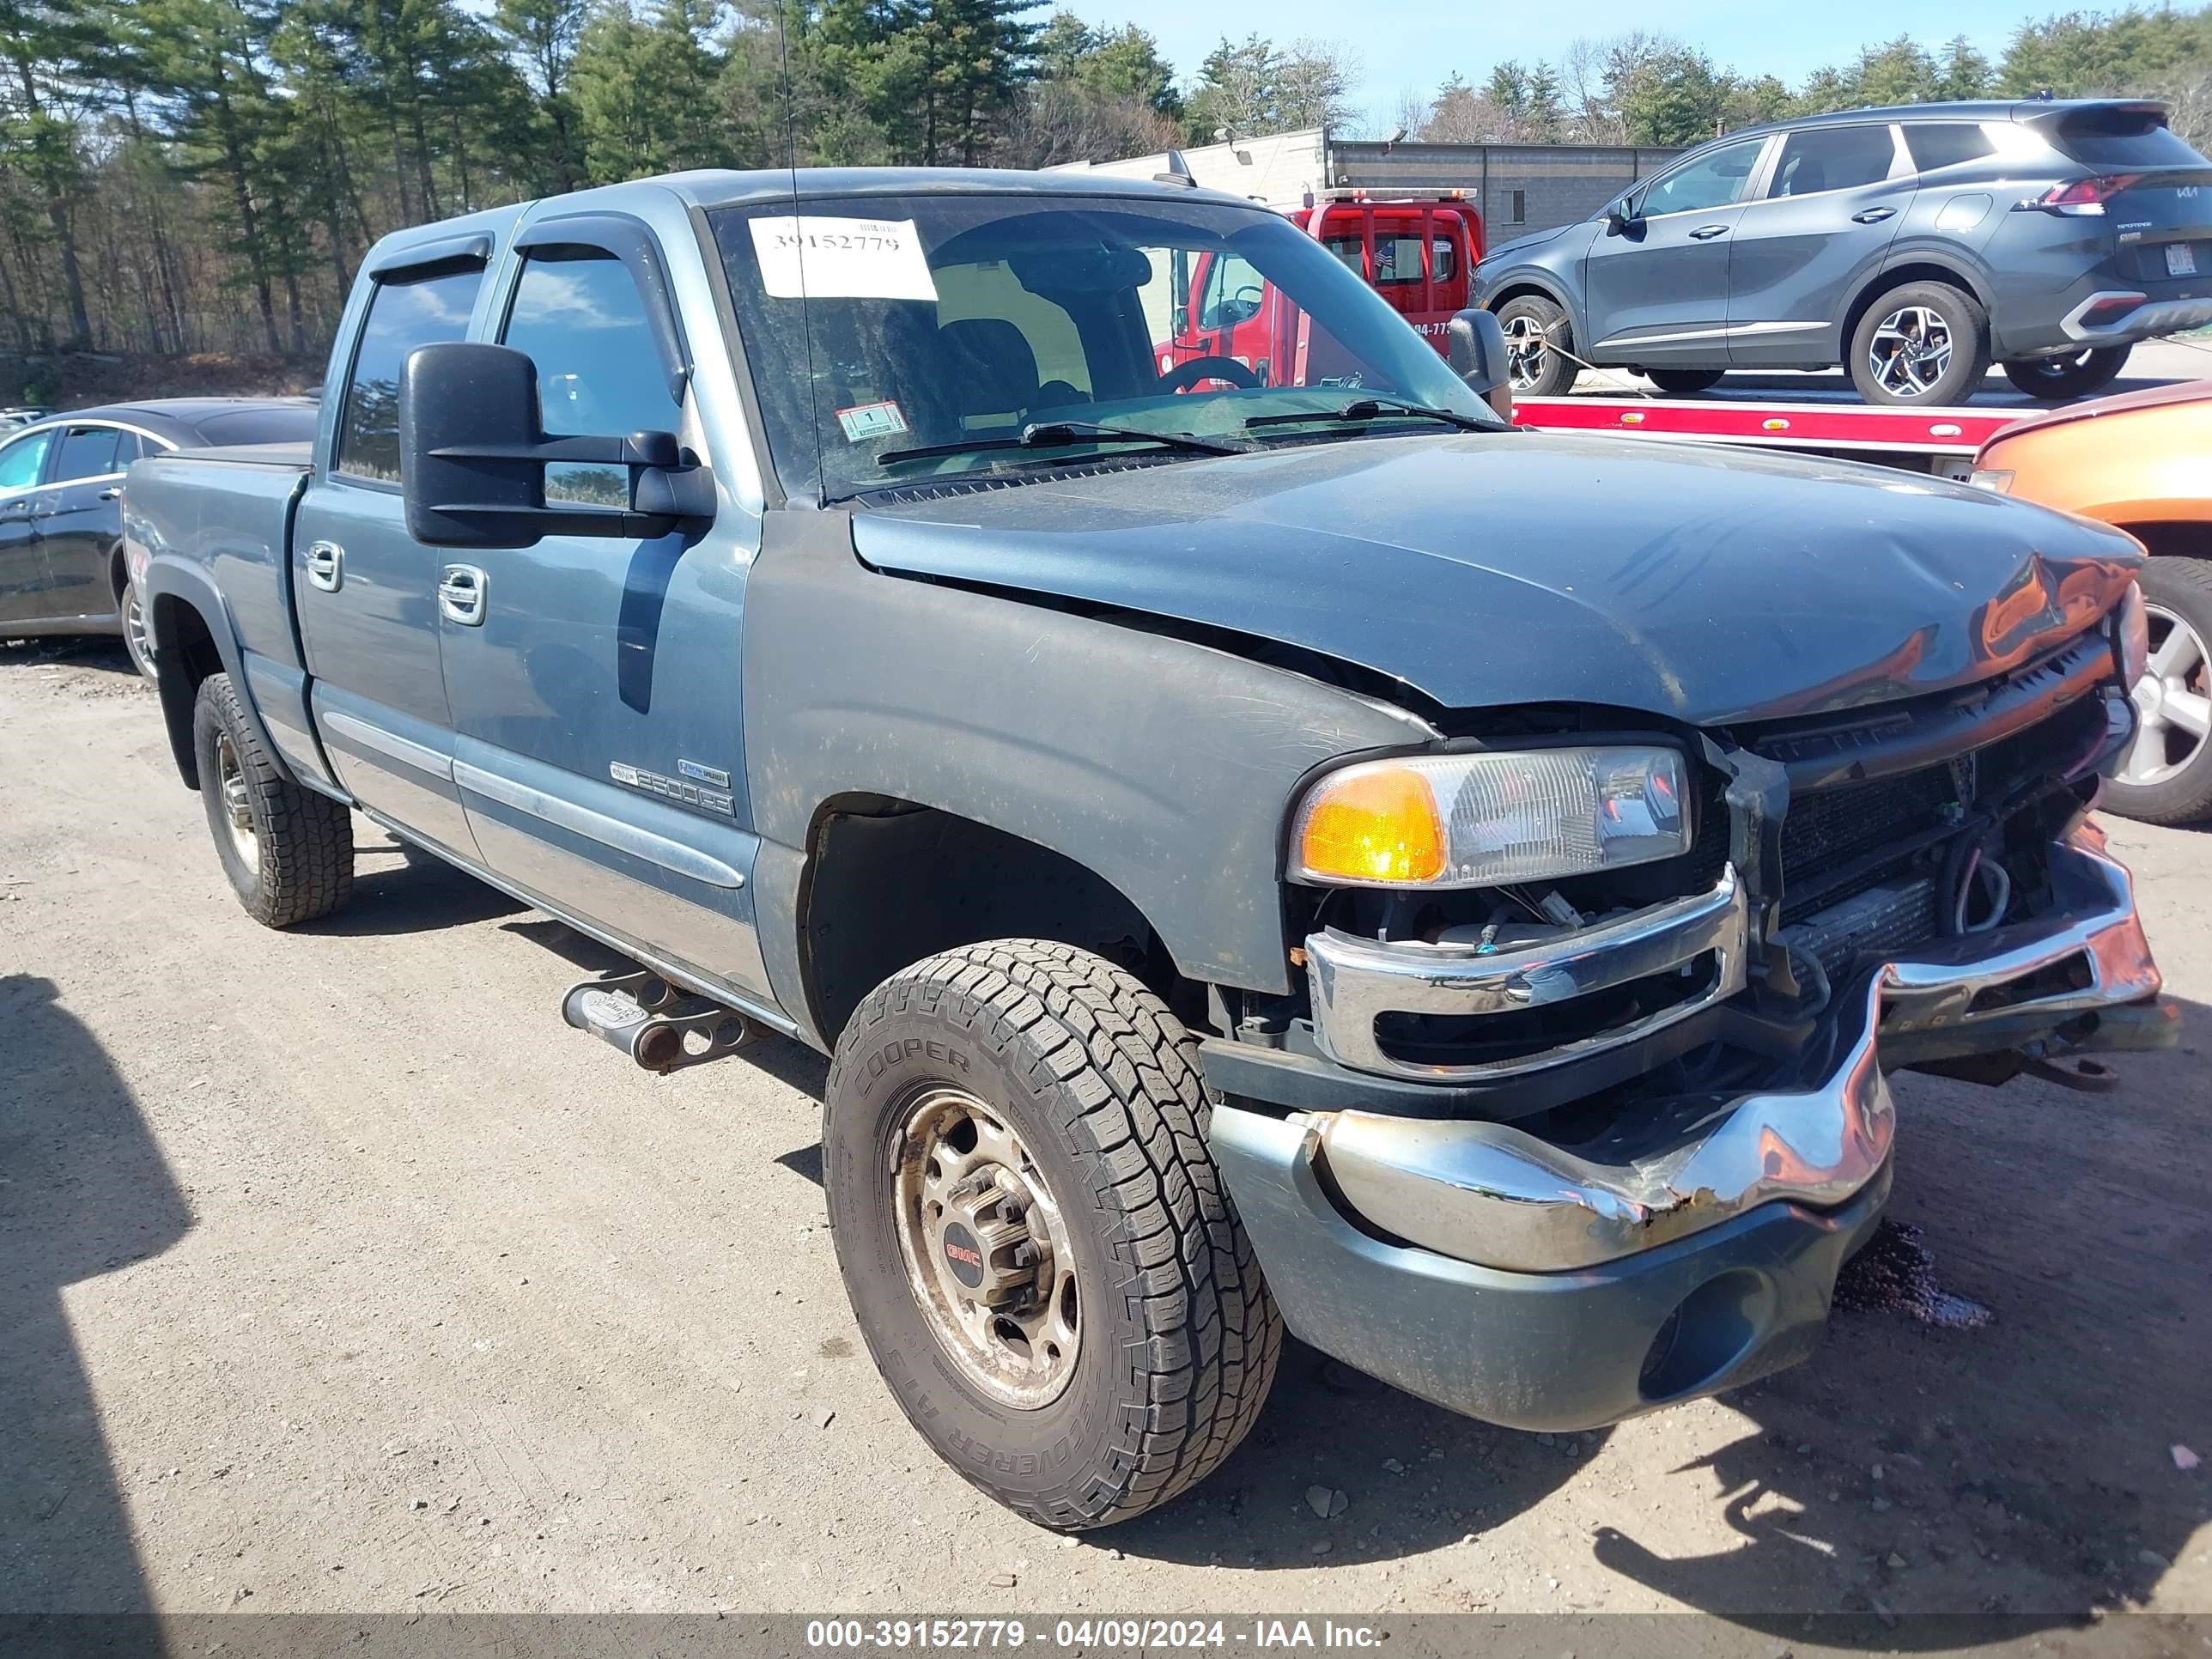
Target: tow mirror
column 1476, row 346
column 473, row 454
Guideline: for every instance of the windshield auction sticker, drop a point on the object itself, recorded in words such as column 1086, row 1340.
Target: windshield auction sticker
column 865, row 421
column 808, row 257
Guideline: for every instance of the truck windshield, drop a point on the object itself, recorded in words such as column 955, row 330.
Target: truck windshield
column 879, row 327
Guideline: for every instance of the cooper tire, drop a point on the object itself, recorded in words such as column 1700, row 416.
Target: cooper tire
column 1539, row 370
column 1685, row 382
column 2060, row 380
column 288, row 851
column 1075, row 1063
column 2179, row 590
column 1893, row 357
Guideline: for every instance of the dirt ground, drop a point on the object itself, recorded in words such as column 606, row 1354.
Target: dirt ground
column 336, row 1274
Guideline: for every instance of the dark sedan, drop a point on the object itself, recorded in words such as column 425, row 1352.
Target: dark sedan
column 61, row 513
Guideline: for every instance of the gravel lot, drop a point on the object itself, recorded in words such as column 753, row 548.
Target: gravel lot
column 336, row 1274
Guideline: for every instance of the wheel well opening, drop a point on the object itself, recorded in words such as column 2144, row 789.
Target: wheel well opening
column 2173, row 540
column 1524, row 291
column 1924, row 271
column 119, row 574
column 889, row 882
column 186, row 653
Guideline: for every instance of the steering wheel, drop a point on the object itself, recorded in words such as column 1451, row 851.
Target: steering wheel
column 1183, row 376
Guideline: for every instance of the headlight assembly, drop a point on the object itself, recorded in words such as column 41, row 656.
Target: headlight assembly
column 1484, row 820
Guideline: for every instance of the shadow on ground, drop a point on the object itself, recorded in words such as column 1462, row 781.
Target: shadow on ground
column 84, row 1191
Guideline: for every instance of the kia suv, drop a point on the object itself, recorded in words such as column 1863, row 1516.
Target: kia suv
column 1913, row 246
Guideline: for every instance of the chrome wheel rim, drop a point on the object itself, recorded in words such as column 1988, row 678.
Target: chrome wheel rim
column 237, row 802
column 1527, row 344
column 134, row 631
column 987, row 1253
column 1910, row 351
column 2174, row 703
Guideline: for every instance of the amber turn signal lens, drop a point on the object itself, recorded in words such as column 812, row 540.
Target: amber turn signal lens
column 1373, row 824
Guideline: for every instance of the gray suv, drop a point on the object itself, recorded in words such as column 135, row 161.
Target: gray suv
column 1912, row 245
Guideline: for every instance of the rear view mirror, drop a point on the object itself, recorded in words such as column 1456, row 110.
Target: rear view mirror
column 1476, row 347
column 473, row 452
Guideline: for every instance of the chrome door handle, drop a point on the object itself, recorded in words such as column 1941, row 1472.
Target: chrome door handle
column 1706, row 233
column 325, row 565
column 461, row 595
column 112, row 493
column 1872, row 215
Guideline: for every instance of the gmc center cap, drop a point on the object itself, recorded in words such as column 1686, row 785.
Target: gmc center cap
column 964, row 1255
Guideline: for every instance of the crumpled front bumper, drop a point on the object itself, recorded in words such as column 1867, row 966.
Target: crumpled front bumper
column 1554, row 1287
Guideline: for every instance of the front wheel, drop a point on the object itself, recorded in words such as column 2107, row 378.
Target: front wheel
column 2165, row 774
column 1537, row 343
column 2076, row 374
column 1038, row 1246
column 137, row 633
column 1921, row 343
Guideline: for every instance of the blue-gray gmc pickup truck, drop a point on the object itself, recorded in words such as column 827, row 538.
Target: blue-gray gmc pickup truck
column 1267, row 844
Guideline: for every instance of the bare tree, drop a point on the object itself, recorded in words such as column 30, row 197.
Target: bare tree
column 1056, row 121
column 1314, row 81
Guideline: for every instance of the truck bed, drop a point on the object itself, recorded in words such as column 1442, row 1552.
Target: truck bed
column 228, row 513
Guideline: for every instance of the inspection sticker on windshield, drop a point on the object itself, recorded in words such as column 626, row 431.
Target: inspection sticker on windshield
column 809, row 255
column 865, row 421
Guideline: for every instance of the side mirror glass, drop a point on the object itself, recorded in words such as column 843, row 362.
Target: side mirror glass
column 1475, row 345
column 473, row 452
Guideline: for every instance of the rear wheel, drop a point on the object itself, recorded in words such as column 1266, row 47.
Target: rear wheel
column 1921, row 343
column 137, row 633
column 2076, row 375
column 288, row 851
column 1038, row 1246
column 1685, row 382
column 1537, row 340
column 2166, row 775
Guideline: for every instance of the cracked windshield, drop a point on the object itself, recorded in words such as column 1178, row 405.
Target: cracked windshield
column 898, row 342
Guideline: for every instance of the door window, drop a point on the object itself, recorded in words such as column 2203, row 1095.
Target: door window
column 405, row 312
column 578, row 316
column 1718, row 178
column 1234, row 291
column 1443, row 259
column 1832, row 158
column 1352, row 250
column 87, row 451
column 22, row 461
column 1946, row 143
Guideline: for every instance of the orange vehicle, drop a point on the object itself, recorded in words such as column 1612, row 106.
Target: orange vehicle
column 2141, row 461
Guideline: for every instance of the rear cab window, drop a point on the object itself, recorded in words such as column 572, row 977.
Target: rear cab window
column 408, row 309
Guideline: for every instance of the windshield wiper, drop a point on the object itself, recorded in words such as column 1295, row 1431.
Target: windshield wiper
column 1059, row 434
column 1374, row 408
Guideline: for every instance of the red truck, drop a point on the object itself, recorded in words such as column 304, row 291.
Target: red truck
column 1415, row 250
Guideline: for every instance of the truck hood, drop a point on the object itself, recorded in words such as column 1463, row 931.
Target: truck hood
column 1490, row 569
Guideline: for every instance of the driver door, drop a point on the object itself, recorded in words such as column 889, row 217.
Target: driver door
column 1658, row 291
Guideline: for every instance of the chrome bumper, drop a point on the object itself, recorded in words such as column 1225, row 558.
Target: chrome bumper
column 1491, row 1194
column 1354, row 982
column 2151, row 320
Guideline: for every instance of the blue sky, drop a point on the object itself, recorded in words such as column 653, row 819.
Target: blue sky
column 1417, row 43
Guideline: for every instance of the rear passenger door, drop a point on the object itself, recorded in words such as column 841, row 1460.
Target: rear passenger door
column 595, row 682
column 1833, row 201
column 367, row 591
column 81, row 516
